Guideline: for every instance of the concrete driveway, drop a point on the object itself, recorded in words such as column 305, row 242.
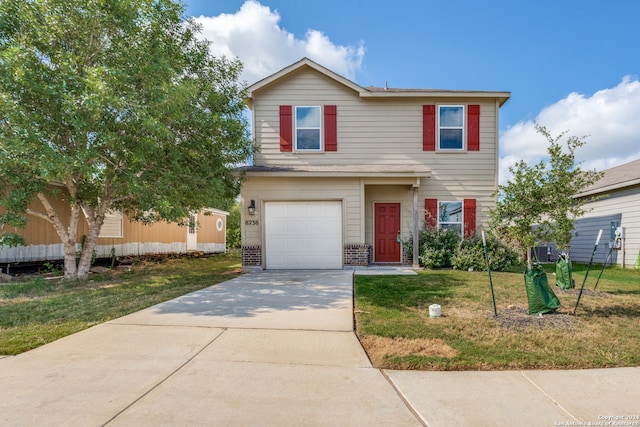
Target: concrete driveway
column 273, row 349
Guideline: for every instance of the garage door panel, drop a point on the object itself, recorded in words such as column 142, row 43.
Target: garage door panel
column 301, row 235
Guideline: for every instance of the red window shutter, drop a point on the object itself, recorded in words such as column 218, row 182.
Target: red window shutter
column 286, row 128
column 431, row 212
column 469, row 217
column 330, row 128
column 473, row 128
column 428, row 128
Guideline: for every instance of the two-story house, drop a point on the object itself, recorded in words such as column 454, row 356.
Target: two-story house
column 343, row 173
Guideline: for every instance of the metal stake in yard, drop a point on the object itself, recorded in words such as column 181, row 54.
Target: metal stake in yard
column 486, row 257
column 595, row 247
column 603, row 267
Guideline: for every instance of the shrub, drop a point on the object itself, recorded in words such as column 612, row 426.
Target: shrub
column 234, row 239
column 443, row 248
column 436, row 247
column 470, row 254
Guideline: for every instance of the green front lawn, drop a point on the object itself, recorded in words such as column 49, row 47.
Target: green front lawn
column 39, row 311
column 393, row 323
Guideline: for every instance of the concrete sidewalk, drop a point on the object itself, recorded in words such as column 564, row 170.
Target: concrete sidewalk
column 273, row 349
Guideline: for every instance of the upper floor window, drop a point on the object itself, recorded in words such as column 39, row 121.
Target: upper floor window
column 308, row 128
column 451, row 127
column 450, row 216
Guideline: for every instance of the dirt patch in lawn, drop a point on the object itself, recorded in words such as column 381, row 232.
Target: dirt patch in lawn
column 380, row 347
column 514, row 317
column 585, row 292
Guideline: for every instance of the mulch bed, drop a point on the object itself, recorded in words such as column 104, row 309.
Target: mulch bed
column 514, row 317
column 517, row 318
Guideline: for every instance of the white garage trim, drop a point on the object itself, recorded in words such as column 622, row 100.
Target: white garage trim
column 303, row 235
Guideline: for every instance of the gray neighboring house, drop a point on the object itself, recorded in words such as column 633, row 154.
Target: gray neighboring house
column 618, row 206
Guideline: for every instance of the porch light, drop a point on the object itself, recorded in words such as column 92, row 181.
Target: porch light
column 252, row 207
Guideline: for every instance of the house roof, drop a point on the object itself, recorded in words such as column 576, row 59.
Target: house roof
column 370, row 91
column 623, row 176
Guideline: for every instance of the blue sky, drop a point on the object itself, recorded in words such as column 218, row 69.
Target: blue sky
column 570, row 65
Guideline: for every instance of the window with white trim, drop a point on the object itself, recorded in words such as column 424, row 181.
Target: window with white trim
column 193, row 224
column 112, row 225
column 451, row 127
column 308, row 128
column 450, row 216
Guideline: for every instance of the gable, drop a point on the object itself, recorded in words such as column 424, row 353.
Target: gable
column 304, row 65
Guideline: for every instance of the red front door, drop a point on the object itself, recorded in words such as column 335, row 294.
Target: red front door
column 387, row 229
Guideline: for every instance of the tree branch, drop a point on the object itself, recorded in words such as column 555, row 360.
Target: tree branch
column 53, row 218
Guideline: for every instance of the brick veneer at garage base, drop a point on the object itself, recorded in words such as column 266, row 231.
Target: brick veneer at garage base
column 357, row 255
column 353, row 255
column 252, row 255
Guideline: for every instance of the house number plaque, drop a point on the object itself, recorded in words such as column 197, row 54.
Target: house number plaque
column 252, row 222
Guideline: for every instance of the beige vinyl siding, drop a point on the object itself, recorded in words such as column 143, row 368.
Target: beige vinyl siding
column 264, row 189
column 371, row 131
column 381, row 131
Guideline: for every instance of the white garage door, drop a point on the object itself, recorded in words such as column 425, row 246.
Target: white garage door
column 303, row 235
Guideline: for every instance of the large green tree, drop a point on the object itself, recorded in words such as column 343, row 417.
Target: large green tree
column 538, row 203
column 113, row 105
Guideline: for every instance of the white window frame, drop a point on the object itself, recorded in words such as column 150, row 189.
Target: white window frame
column 440, row 127
column 319, row 128
column 461, row 222
column 192, row 226
column 114, row 223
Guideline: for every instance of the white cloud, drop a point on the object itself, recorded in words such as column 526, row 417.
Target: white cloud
column 609, row 119
column 253, row 34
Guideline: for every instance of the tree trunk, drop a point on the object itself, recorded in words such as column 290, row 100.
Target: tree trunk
column 529, row 259
column 86, row 255
column 67, row 235
column 95, row 219
column 70, row 266
column 73, row 268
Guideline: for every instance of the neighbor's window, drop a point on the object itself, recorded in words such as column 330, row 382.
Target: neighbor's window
column 450, row 216
column 193, row 224
column 451, row 127
column 112, row 225
column 308, row 125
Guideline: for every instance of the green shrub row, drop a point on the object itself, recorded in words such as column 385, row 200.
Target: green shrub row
column 443, row 248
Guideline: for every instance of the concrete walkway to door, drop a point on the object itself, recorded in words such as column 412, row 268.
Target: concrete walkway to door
column 274, row 349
